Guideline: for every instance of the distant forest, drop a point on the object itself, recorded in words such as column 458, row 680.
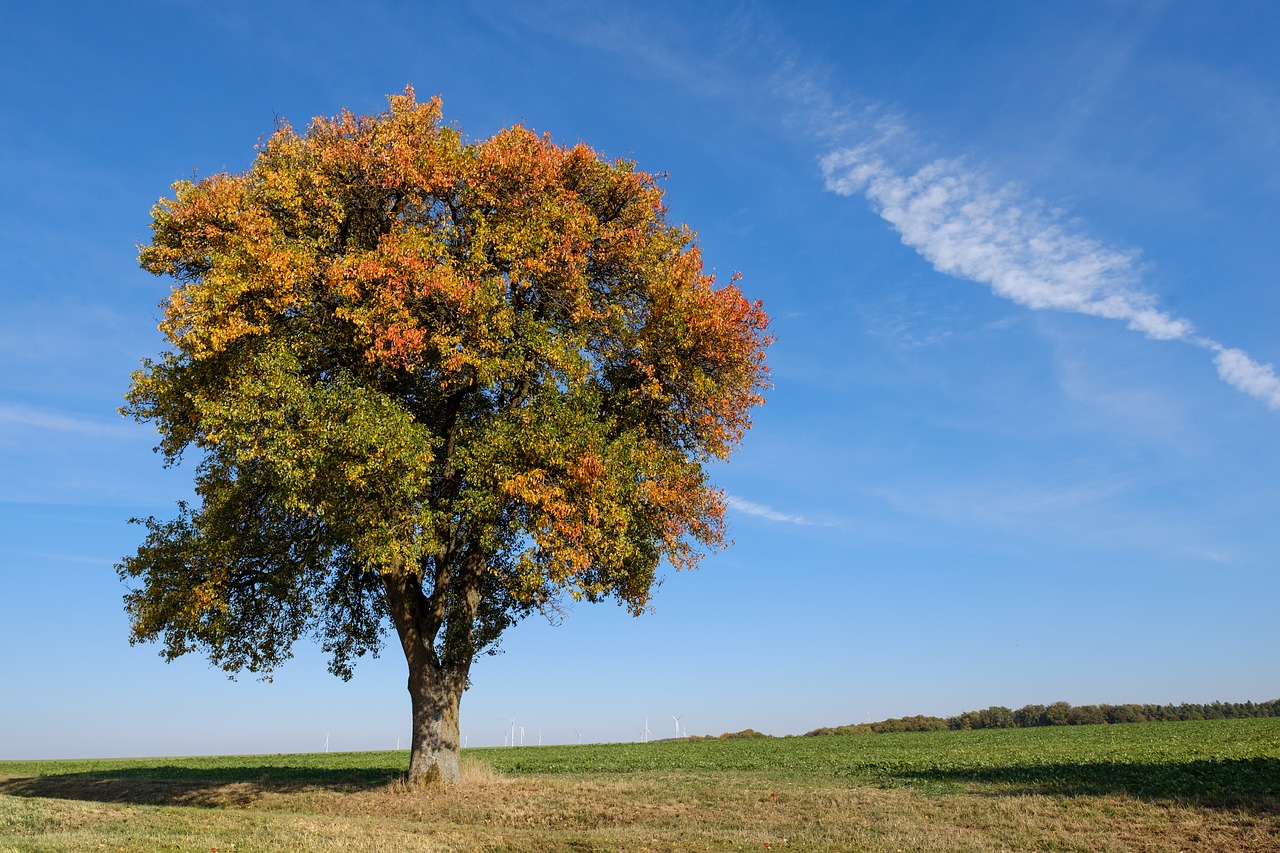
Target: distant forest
column 1060, row 714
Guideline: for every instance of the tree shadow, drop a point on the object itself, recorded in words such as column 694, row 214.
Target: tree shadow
column 190, row 786
column 1251, row 784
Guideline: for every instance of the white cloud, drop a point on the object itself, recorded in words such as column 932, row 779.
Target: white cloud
column 967, row 230
column 1025, row 252
column 1243, row 373
column 761, row 511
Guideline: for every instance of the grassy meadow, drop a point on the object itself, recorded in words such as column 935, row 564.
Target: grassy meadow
column 1211, row 785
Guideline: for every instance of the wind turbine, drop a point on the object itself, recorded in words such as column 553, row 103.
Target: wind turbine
column 326, row 741
column 522, row 734
column 512, row 741
column 676, row 720
column 644, row 733
column 579, row 734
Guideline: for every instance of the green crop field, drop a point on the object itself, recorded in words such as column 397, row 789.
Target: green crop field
column 1150, row 787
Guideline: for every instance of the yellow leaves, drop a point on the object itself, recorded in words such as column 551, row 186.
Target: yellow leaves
column 405, row 148
column 414, row 338
column 234, row 273
column 205, row 598
column 599, row 512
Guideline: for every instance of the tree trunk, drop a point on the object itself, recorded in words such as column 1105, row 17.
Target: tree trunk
column 435, row 684
column 435, row 697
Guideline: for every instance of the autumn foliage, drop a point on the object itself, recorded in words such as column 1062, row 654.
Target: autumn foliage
column 431, row 383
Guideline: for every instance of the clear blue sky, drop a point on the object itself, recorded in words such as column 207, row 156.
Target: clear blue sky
column 1021, row 260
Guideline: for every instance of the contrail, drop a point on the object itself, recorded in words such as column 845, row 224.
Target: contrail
column 999, row 237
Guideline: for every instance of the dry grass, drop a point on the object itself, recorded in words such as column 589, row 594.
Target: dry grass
column 1206, row 786
column 646, row 811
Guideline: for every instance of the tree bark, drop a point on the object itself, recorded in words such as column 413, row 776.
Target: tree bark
column 436, row 695
column 435, row 686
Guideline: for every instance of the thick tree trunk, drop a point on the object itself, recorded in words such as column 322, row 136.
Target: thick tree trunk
column 436, row 681
column 435, row 697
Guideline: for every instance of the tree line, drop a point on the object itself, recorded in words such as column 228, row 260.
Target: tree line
column 1060, row 714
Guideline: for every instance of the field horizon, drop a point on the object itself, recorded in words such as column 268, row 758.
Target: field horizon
column 1205, row 785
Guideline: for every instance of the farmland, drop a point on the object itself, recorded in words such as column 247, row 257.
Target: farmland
column 1171, row 786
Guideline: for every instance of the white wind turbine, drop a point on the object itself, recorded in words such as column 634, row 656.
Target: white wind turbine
column 676, row 720
column 326, row 741
column 644, row 733
column 522, row 734
column 512, row 740
column 579, row 734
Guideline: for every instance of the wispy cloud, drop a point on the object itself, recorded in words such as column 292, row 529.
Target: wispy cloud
column 58, row 557
column 1026, row 252
column 45, row 419
column 971, row 227
column 1003, row 504
column 761, row 511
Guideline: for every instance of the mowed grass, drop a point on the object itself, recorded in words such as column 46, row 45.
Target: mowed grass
column 1149, row 787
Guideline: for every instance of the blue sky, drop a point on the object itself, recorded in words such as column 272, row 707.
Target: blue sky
column 1020, row 259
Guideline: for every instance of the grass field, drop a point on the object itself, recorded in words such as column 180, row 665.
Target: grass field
column 1149, row 787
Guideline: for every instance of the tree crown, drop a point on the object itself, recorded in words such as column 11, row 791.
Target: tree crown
column 493, row 367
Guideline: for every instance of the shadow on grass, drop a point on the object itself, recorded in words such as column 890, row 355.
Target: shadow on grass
column 1252, row 784
column 189, row 786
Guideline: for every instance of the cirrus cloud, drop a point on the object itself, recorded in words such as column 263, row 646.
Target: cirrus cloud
column 1023, row 251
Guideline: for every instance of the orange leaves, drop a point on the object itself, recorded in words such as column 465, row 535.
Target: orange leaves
column 697, row 354
column 560, row 505
column 555, row 363
column 404, row 148
column 526, row 214
column 586, row 469
column 408, row 304
column 233, row 274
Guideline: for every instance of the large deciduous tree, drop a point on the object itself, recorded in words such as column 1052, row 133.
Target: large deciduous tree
column 433, row 384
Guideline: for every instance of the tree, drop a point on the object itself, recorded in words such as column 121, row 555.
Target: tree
column 1085, row 715
column 1057, row 714
column 432, row 384
column 1029, row 716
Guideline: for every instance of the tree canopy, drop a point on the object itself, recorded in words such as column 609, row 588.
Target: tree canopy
column 432, row 384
